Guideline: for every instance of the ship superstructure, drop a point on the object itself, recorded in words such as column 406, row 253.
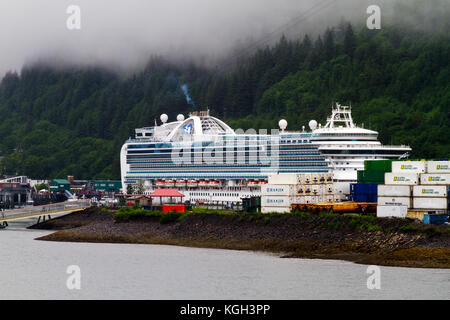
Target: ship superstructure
column 209, row 161
column 346, row 146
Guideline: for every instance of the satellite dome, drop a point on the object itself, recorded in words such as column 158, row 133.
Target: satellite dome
column 180, row 117
column 313, row 124
column 282, row 124
column 164, row 118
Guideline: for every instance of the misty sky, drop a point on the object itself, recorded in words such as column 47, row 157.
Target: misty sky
column 124, row 33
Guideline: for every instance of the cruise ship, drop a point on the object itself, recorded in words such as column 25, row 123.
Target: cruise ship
column 210, row 162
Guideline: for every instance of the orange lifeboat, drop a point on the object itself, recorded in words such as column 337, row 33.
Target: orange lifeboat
column 192, row 183
column 180, row 183
column 170, row 183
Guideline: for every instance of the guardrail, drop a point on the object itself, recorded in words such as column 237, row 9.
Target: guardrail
column 43, row 210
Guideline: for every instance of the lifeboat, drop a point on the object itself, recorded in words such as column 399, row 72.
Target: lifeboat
column 252, row 182
column 263, row 182
column 160, row 183
column 170, row 183
column 180, row 183
column 203, row 183
column 192, row 183
column 214, row 183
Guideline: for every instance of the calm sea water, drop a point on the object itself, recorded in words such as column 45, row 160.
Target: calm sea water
column 32, row 269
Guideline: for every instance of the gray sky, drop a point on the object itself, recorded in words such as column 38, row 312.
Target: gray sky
column 124, row 33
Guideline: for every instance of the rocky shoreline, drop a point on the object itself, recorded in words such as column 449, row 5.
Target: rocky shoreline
column 388, row 242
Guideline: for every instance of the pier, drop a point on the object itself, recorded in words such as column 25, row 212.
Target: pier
column 41, row 212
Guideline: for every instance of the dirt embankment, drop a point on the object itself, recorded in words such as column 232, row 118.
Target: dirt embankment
column 393, row 242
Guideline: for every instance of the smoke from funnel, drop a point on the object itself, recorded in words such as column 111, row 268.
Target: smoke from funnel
column 185, row 89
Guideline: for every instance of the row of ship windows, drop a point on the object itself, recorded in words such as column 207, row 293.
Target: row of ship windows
column 214, row 194
column 228, row 161
column 238, row 156
column 375, row 152
column 224, row 150
column 223, row 166
column 212, row 171
column 344, row 135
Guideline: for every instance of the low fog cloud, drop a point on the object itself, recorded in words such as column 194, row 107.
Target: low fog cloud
column 125, row 33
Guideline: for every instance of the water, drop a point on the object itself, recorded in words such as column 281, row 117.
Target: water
column 32, row 269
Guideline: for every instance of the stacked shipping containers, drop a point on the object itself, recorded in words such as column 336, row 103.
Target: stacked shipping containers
column 433, row 192
column 368, row 179
column 418, row 186
column 284, row 189
column 394, row 197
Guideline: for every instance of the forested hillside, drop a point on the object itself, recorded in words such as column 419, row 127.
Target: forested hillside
column 55, row 122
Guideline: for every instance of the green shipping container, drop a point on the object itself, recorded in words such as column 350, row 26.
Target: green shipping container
column 371, row 176
column 378, row 165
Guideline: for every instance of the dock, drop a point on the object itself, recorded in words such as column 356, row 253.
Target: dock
column 42, row 211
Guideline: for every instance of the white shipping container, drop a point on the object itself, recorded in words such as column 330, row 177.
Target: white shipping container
column 430, row 191
column 282, row 178
column 392, row 211
column 315, row 189
column 278, row 190
column 327, row 189
column 315, row 178
column 275, row 209
column 402, row 178
column 430, row 203
column 435, row 178
column 409, row 166
column 386, row 190
column 306, row 178
column 276, row 201
column 395, row 201
column 438, row 166
column 326, row 178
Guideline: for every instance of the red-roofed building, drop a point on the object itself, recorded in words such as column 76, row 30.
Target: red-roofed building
column 166, row 194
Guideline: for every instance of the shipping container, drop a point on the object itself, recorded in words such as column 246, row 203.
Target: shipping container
column 431, row 191
column 278, row 190
column 397, row 201
column 435, row 218
column 306, row 178
column 363, row 188
column 370, row 176
column 435, row 178
column 414, row 214
column 387, row 190
column 438, row 166
column 409, row 166
column 276, row 201
column 363, row 197
column 378, row 165
column 315, row 189
column 392, row 211
column 275, row 209
column 431, row 203
column 402, row 178
column 327, row 189
column 283, row 179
